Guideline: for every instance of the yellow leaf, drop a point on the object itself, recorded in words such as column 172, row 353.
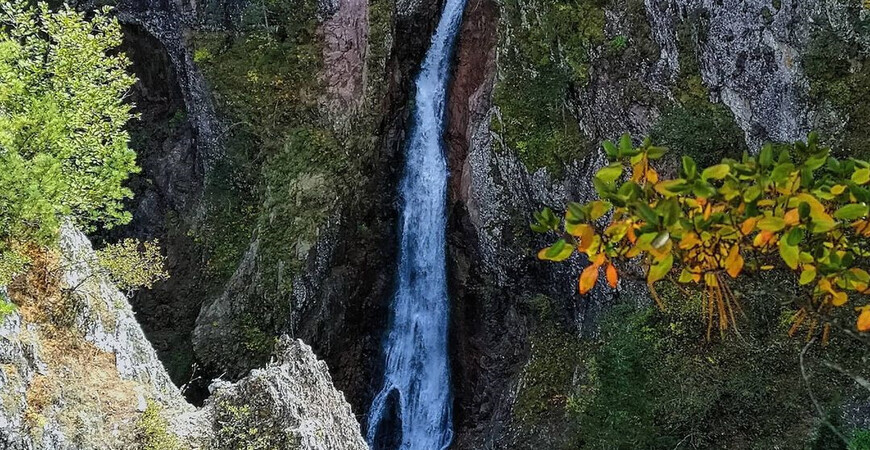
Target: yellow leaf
column 863, row 323
column 838, row 189
column 825, row 286
column 585, row 232
column 686, row 276
column 598, row 208
column 632, row 252
column 689, row 240
column 839, row 298
column 808, row 275
column 734, row 262
column 588, row 279
column 761, row 239
column 716, row 172
column 767, row 267
column 612, row 276
column 861, row 176
column 599, row 260
column 789, row 253
column 771, row 223
column 652, row 176
column 659, row 270
column 817, row 209
column 792, row 217
column 748, row 225
column 559, row 251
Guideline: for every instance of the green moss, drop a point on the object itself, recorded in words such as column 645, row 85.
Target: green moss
column 705, row 131
column 287, row 167
column 860, row 440
column 839, row 73
column 650, row 379
column 545, row 53
column 549, row 374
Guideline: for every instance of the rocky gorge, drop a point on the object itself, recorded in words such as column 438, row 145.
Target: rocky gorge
column 271, row 136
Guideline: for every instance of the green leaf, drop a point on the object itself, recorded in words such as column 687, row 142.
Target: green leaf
column 575, row 212
column 610, row 150
column 781, row 172
column 661, row 269
column 610, row 173
column 795, row 236
column 559, row 251
column 804, row 210
column 625, row 146
column 789, row 253
column 647, row 213
column 771, row 224
column 861, row 176
column 765, row 158
column 822, row 225
column 690, row 169
column 717, row 172
column 538, row 228
column 851, row 212
column 807, row 276
column 597, row 209
column 752, row 193
column 656, row 152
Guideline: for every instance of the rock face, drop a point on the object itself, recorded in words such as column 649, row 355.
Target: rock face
column 654, row 58
column 86, row 386
column 687, row 71
column 291, row 402
column 81, row 384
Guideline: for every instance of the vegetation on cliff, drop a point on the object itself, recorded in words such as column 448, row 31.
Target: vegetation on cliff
column 63, row 147
column 795, row 207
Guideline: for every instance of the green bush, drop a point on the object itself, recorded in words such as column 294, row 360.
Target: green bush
column 63, row 147
column 152, row 430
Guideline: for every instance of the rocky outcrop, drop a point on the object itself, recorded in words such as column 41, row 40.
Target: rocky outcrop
column 291, row 403
column 77, row 369
column 84, row 383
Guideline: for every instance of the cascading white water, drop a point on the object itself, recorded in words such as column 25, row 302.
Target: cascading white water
column 415, row 398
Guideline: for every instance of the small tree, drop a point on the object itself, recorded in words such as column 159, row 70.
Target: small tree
column 794, row 207
column 132, row 264
column 63, row 147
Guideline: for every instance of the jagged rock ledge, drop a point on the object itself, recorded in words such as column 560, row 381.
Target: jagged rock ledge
column 92, row 382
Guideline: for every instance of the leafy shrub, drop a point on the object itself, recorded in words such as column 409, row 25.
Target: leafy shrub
column 795, row 207
column 63, row 147
column 152, row 430
column 131, row 264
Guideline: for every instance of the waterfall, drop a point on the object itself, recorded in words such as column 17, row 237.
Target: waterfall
column 413, row 407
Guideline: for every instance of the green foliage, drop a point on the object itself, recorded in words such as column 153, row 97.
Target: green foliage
column 132, row 264
column 860, row 441
column 244, row 428
column 796, row 207
column 549, row 375
column 63, row 147
column 546, row 54
column 152, row 430
column 6, row 307
column 705, row 131
column 839, row 72
column 659, row 387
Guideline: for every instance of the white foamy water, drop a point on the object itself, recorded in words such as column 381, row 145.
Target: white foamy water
column 415, row 398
